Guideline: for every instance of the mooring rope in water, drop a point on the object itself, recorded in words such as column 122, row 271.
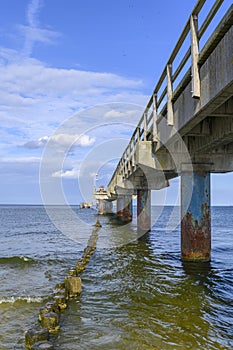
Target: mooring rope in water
column 40, row 336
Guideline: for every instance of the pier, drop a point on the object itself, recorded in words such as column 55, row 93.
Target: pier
column 186, row 130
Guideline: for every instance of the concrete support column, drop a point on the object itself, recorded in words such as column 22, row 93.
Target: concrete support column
column 104, row 207
column 195, row 213
column 120, row 205
column 128, row 209
column 107, row 207
column 144, row 210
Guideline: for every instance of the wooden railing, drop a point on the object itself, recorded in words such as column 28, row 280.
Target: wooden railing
column 162, row 99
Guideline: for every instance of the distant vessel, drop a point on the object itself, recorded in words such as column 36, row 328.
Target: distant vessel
column 85, row 205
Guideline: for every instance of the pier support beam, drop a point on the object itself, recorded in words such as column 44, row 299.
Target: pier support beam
column 144, row 210
column 195, row 213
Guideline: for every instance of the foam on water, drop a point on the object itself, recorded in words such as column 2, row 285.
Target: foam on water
column 14, row 299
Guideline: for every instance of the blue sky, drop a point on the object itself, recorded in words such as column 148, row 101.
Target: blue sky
column 78, row 73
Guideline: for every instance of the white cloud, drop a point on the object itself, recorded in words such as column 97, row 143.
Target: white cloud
column 71, row 140
column 29, row 87
column 41, row 142
column 33, row 79
column 114, row 113
column 33, row 33
column 85, row 141
column 32, row 11
column 19, row 159
column 67, row 174
column 36, row 98
column 63, row 140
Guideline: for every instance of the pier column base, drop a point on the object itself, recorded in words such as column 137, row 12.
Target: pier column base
column 195, row 213
column 144, row 210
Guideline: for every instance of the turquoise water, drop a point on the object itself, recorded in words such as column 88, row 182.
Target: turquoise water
column 137, row 296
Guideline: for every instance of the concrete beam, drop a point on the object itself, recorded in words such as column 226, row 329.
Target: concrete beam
column 221, row 162
column 144, row 154
column 221, row 133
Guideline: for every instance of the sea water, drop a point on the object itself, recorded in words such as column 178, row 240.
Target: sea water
column 137, row 295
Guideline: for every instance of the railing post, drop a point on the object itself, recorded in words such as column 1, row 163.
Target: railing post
column 125, row 165
column 122, row 167
column 134, row 153
column 170, row 115
column 155, row 117
column 196, row 93
column 138, row 131
column 129, row 166
column 145, row 125
column 130, row 157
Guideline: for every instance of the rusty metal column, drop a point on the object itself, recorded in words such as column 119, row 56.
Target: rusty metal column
column 128, row 209
column 144, row 210
column 195, row 213
column 120, row 206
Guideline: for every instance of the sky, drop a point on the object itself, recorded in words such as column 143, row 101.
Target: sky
column 75, row 77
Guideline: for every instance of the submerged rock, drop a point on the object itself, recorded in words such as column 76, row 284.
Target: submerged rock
column 53, row 305
column 98, row 224
column 34, row 335
column 60, row 286
column 49, row 307
column 73, row 286
column 80, row 266
column 60, row 301
column 50, row 320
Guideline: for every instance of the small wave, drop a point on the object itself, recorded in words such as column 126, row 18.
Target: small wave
column 16, row 260
column 28, row 299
